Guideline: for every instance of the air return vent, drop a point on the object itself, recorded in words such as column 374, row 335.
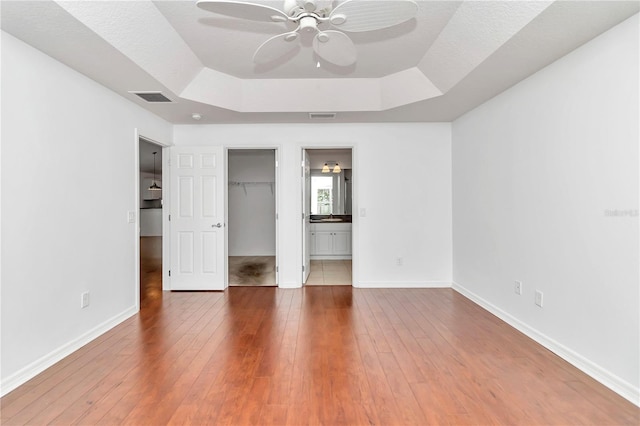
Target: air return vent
column 152, row 96
column 322, row 115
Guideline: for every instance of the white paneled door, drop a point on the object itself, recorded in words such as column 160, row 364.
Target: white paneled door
column 197, row 218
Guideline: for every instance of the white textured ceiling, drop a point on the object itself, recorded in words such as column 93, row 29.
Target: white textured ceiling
column 453, row 56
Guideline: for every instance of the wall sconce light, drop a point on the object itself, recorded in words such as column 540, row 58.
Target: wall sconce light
column 336, row 167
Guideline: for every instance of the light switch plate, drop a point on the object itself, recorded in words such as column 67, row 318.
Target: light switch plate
column 131, row 216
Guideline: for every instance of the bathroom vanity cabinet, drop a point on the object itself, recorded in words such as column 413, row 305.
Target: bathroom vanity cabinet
column 330, row 241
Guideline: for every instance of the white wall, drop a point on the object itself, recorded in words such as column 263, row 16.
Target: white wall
column 408, row 210
column 535, row 171
column 68, row 180
column 252, row 207
column 317, row 159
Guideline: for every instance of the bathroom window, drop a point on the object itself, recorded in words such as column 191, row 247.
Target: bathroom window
column 324, row 201
column 322, row 194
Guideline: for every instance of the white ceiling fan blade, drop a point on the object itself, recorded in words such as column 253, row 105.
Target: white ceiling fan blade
column 276, row 47
column 335, row 47
column 369, row 15
column 243, row 10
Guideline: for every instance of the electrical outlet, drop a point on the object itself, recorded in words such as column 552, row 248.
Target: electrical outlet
column 517, row 287
column 84, row 299
column 131, row 217
column 399, row 261
column 539, row 298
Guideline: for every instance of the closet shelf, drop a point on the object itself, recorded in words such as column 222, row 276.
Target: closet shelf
column 245, row 184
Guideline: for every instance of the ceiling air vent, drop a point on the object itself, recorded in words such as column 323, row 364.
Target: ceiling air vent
column 152, row 96
column 322, row 115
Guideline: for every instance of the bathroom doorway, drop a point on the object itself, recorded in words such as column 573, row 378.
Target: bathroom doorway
column 252, row 217
column 327, row 228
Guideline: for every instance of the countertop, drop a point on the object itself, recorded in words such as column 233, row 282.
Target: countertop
column 317, row 218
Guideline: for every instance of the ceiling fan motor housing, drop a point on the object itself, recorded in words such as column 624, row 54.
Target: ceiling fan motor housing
column 308, row 24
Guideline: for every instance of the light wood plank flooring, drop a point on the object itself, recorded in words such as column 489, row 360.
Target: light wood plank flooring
column 150, row 268
column 317, row 355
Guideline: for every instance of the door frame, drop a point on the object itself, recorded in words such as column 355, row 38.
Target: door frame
column 355, row 217
column 165, row 223
column 276, row 189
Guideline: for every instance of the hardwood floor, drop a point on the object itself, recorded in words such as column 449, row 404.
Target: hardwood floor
column 318, row 355
column 150, row 269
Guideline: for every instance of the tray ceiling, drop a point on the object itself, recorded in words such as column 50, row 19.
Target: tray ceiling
column 451, row 57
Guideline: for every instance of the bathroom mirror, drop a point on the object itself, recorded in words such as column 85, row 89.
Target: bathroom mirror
column 331, row 192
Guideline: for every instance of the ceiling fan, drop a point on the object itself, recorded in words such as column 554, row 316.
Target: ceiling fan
column 317, row 17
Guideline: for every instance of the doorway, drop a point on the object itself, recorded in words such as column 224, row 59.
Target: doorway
column 150, row 219
column 252, row 217
column 327, row 229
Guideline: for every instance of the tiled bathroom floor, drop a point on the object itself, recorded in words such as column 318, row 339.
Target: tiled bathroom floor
column 330, row 272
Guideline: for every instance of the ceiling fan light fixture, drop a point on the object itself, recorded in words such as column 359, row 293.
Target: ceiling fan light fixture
column 338, row 19
column 325, row 168
column 332, row 46
column 323, row 37
column 309, row 5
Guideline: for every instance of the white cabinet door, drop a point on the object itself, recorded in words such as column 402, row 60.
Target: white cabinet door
column 312, row 244
column 324, row 242
column 342, row 243
column 197, row 218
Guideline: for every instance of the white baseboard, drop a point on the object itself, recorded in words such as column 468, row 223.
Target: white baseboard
column 326, row 257
column 403, row 284
column 610, row 380
column 38, row 366
column 291, row 284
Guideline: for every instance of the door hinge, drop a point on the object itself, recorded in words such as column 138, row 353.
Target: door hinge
column 276, row 216
column 169, row 272
column 303, row 216
column 169, row 218
column 277, row 269
column 302, row 268
column 276, row 163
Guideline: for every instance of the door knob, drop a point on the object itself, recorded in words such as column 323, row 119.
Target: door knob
column 217, row 225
